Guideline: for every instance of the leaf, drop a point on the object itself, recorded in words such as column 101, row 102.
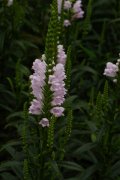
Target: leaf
column 115, row 170
column 85, row 175
column 88, row 173
column 91, row 125
column 72, row 166
column 11, row 83
column 56, row 169
column 12, row 143
column 6, row 108
column 89, row 52
column 69, row 100
column 16, row 114
column 9, row 165
column 84, row 148
column 7, row 176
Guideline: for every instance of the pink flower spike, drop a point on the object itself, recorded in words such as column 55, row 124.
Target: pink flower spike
column 44, row 122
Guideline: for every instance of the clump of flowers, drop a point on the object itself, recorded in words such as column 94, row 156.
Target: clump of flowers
column 77, row 9
column 73, row 10
column 111, row 70
column 55, row 80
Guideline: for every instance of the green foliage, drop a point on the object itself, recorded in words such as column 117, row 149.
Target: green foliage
column 87, row 22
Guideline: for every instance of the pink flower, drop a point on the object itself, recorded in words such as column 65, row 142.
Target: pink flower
column 67, row 23
column 61, row 56
column 58, row 101
column 77, row 9
column 37, row 83
column 57, row 111
column 110, row 70
column 78, row 15
column 61, row 92
column 77, row 5
column 35, row 107
column 67, row 5
column 44, row 122
column 39, row 67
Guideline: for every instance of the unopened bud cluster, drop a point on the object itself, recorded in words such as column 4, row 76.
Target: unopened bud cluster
column 75, row 10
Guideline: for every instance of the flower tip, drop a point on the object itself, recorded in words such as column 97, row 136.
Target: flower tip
column 44, row 122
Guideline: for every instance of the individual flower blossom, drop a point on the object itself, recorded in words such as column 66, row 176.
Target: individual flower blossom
column 44, row 122
column 67, row 23
column 10, row 2
column 35, row 107
column 67, row 5
column 77, row 10
column 110, row 70
column 61, row 56
column 58, row 101
column 57, row 111
column 78, row 15
column 39, row 66
column 37, row 85
column 77, row 5
column 58, row 88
